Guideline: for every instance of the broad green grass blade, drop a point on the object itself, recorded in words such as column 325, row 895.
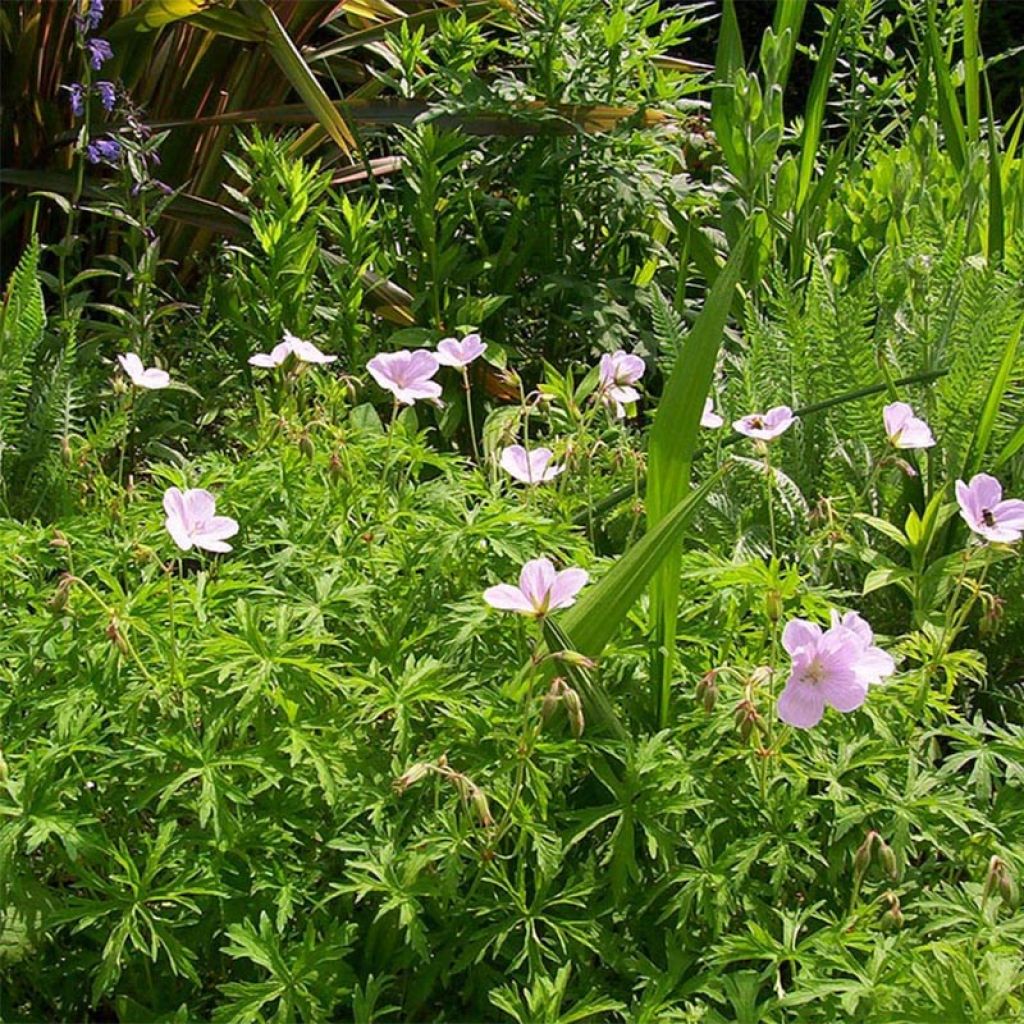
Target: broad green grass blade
column 672, row 443
column 814, row 112
column 990, row 410
column 972, row 71
column 949, row 106
column 728, row 59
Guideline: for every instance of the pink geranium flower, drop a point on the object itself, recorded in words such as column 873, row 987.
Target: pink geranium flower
column 540, row 589
column 304, row 351
column 874, row 664
column 904, row 429
column 192, row 522
column 460, row 353
column 986, row 513
column 151, row 379
column 709, row 418
column 619, row 371
column 529, row 467
column 824, row 672
column 407, row 374
column 765, row 426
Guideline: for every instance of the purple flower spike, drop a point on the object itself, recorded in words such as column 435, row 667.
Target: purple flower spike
column 92, row 18
column 99, row 51
column 540, row 590
column 765, row 426
column 986, row 513
column 108, row 95
column 191, row 521
column 407, row 374
column 76, row 94
column 105, row 151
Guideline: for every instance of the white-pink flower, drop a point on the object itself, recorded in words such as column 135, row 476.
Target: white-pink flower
column 709, row 418
column 192, row 520
column 152, row 379
column 619, row 371
column 304, row 351
column 460, row 353
column 765, row 426
column 407, row 374
column 540, row 589
column 823, row 673
column 529, row 467
column 986, row 513
column 904, row 429
column 873, row 664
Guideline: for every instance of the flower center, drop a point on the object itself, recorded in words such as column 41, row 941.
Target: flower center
column 987, row 517
column 757, row 423
column 814, row 673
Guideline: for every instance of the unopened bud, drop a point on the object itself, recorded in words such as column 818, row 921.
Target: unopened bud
column 411, row 776
column 65, row 450
column 59, row 540
column 334, row 466
column 306, row 445
column 773, row 605
column 574, row 710
column 483, row 811
column 994, row 606
column 576, row 659
column 892, row 920
column 115, row 636
column 707, row 691
column 552, row 699
column 862, row 858
column 59, row 601
column 120, row 385
column 888, row 859
column 3, row 768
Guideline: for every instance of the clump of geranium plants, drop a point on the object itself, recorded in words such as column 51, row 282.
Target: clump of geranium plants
column 461, row 671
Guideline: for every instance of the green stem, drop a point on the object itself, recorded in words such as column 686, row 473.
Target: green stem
column 469, row 415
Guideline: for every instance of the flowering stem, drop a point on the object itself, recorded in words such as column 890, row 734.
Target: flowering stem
column 129, row 431
column 172, row 656
column 771, row 502
column 385, row 476
column 469, row 415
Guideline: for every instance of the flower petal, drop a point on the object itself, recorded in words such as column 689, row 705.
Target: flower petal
column 507, row 598
column 536, row 580
column 800, row 705
column 568, row 583
column 800, row 633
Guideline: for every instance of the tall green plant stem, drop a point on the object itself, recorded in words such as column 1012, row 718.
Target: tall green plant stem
column 469, row 415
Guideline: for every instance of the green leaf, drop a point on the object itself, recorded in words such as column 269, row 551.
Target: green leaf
column 990, row 410
column 672, row 444
column 949, row 106
column 972, row 70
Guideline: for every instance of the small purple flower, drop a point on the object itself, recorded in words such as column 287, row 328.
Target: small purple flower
column 986, row 512
column 99, row 51
column 108, row 95
column 765, row 426
column 529, row 467
column 408, row 375
column 619, row 371
column 191, row 520
column 904, row 429
column 105, row 151
column 76, row 94
column 459, row 354
column 540, row 590
column 92, row 18
column 709, row 418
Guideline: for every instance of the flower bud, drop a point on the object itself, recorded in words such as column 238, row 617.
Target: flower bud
column 707, row 691
column 862, row 858
column 552, row 699
column 887, row 857
column 412, row 775
column 773, row 605
column 115, row 636
column 3, row 768
column 483, row 811
column 59, row 540
column 334, row 466
column 306, row 445
column 892, row 920
column 59, row 601
column 65, row 450
column 574, row 710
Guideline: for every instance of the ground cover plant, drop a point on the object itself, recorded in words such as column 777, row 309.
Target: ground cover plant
column 545, row 547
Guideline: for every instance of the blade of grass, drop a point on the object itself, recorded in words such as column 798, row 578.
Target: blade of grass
column 990, row 410
column 996, row 225
column 788, row 15
column 972, row 70
column 949, row 106
column 672, row 442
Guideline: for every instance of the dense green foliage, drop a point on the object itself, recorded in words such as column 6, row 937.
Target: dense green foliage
column 316, row 777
